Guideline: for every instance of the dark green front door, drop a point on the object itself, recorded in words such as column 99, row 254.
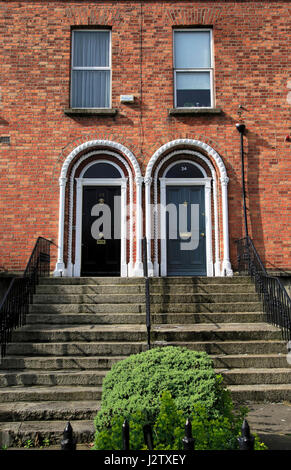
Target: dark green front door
column 186, row 241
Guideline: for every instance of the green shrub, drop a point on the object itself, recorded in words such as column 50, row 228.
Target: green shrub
column 136, row 383
column 218, row 433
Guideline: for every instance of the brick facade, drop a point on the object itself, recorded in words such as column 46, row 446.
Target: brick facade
column 251, row 69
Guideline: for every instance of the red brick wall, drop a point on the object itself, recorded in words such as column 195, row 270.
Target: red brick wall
column 252, row 68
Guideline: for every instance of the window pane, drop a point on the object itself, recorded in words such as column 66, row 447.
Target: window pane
column 192, row 49
column 193, row 89
column 102, row 170
column 90, row 89
column 91, row 49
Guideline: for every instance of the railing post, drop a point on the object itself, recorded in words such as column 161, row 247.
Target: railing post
column 188, row 440
column 148, row 436
column 68, row 442
column 246, row 441
column 125, row 435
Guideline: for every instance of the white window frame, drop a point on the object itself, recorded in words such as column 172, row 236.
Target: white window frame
column 204, row 69
column 109, row 68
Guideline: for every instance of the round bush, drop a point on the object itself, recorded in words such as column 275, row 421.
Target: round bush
column 135, row 385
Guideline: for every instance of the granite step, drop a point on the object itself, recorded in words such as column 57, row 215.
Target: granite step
column 124, row 318
column 129, row 332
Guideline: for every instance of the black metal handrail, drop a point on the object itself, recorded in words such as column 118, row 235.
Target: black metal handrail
column 276, row 301
column 147, row 292
column 15, row 304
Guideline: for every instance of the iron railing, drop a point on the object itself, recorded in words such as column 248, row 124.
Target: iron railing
column 15, row 304
column 147, row 292
column 275, row 299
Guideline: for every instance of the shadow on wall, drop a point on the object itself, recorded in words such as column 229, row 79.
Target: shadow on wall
column 254, row 188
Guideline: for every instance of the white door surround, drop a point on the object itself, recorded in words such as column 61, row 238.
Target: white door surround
column 218, row 267
column 132, row 264
column 135, row 214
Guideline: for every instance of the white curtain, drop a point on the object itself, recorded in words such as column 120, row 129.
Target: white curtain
column 91, row 87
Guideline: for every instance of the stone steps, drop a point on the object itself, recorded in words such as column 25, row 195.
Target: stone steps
column 88, row 378
column 139, row 318
column 162, row 332
column 199, row 307
column 78, row 328
column 49, row 410
column 52, row 378
column 49, row 393
column 51, row 289
column 16, row 434
column 163, row 299
column 135, row 280
column 93, row 363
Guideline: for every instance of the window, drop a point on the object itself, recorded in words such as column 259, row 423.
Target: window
column 193, row 68
column 91, row 69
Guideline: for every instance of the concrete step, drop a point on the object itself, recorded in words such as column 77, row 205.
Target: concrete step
column 59, row 363
column 201, row 288
column 51, row 378
column 267, row 361
column 123, row 318
column 49, row 410
column 135, row 280
column 87, row 308
column 50, row 393
column 17, row 434
column 105, row 348
column 114, row 289
column 218, row 347
column 77, row 348
column 129, row 332
column 222, row 307
column 98, row 281
column 222, row 361
column 140, row 298
column 275, row 393
column 256, row 376
column 88, row 299
column 155, row 288
column 140, row 308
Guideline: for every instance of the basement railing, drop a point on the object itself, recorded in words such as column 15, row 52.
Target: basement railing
column 147, row 293
column 15, row 304
column 275, row 299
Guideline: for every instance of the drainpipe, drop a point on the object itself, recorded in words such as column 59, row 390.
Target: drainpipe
column 241, row 128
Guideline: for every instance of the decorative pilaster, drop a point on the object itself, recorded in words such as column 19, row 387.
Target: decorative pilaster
column 139, row 223
column 148, row 209
column 226, row 266
column 208, row 229
column 60, row 266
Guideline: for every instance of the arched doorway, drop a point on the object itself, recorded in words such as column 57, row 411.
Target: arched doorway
column 100, row 178
column 204, row 192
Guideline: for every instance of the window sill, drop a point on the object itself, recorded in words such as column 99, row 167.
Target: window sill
column 90, row 111
column 177, row 111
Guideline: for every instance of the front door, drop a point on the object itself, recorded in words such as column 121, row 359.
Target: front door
column 100, row 239
column 186, row 242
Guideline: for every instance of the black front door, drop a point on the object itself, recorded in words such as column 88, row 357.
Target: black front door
column 186, row 248
column 101, row 231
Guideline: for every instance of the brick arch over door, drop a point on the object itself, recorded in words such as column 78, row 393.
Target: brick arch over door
column 202, row 151
column 66, row 182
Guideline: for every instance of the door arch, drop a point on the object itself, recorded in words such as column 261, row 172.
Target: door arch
column 67, row 248
column 209, row 158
